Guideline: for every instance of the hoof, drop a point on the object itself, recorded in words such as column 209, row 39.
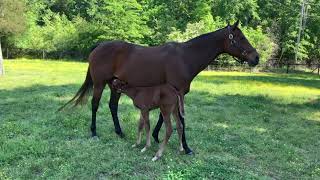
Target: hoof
column 189, row 151
column 155, row 137
column 96, row 138
column 135, row 145
column 144, row 149
column 93, row 134
column 155, row 158
column 120, row 134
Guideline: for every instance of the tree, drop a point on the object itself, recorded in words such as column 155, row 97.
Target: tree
column 166, row 16
column 244, row 10
column 11, row 21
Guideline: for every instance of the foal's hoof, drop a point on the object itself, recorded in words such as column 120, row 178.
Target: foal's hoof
column 144, row 149
column 135, row 145
column 189, row 151
column 155, row 158
column 181, row 149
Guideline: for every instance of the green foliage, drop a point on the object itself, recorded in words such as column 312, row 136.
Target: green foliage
column 244, row 10
column 57, row 34
column 64, row 26
column 260, row 40
column 123, row 21
column 11, row 16
column 207, row 24
column 240, row 125
column 264, row 44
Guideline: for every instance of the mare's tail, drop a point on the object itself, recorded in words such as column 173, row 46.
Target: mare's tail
column 82, row 93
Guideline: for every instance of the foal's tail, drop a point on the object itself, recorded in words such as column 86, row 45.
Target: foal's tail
column 82, row 93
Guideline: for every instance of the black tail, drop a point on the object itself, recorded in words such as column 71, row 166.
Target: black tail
column 82, row 93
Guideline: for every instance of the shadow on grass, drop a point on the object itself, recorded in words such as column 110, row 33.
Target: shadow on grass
column 40, row 101
column 39, row 104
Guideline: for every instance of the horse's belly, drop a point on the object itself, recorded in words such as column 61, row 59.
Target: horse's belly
column 142, row 73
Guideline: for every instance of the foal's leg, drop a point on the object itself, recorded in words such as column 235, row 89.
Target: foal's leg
column 167, row 122
column 113, row 105
column 97, row 92
column 156, row 130
column 148, row 135
column 140, row 127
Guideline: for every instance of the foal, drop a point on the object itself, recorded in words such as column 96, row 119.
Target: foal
column 165, row 97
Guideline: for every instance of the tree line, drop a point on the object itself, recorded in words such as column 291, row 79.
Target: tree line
column 70, row 28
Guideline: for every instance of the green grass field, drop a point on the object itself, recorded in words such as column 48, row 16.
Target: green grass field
column 240, row 125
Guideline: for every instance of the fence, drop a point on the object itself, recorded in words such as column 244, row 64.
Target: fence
column 288, row 68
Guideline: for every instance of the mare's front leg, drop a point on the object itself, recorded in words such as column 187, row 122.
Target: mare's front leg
column 183, row 136
column 184, row 141
column 113, row 105
column 179, row 128
column 156, row 130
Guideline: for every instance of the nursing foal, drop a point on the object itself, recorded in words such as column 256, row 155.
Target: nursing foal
column 165, row 97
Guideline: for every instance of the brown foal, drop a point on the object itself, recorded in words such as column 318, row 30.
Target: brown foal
column 165, row 97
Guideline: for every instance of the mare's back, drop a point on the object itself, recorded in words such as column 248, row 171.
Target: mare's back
column 149, row 63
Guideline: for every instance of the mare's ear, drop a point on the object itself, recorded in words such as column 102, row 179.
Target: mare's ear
column 235, row 25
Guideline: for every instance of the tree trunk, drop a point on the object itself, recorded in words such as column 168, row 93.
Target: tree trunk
column 1, row 61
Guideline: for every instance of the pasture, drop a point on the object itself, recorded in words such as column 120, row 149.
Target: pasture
column 240, row 125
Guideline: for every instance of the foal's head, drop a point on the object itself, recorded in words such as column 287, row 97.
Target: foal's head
column 237, row 45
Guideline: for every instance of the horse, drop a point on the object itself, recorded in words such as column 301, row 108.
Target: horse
column 172, row 63
column 163, row 96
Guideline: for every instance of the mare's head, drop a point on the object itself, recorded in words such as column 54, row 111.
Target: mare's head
column 237, row 45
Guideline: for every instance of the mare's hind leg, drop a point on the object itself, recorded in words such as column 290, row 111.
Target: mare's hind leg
column 97, row 92
column 113, row 105
column 155, row 133
column 167, row 121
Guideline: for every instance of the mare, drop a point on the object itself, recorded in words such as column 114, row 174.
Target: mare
column 173, row 63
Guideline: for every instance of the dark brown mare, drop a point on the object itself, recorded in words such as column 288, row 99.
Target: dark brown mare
column 172, row 63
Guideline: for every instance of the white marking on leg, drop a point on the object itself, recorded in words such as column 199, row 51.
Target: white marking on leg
column 144, row 149
column 155, row 158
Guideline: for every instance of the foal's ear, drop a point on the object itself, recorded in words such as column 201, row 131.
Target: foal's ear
column 235, row 25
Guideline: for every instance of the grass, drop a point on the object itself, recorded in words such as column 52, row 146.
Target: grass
column 240, row 125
